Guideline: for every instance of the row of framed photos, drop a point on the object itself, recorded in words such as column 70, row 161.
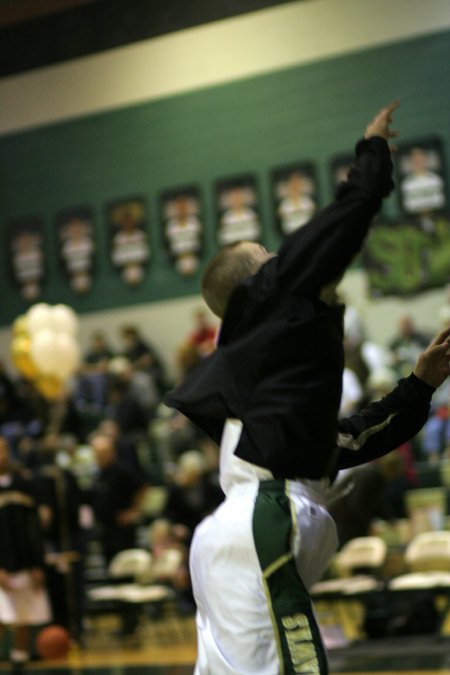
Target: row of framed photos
column 422, row 191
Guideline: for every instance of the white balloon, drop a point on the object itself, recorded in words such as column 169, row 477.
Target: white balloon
column 38, row 317
column 64, row 319
column 54, row 348
column 43, row 348
column 67, row 355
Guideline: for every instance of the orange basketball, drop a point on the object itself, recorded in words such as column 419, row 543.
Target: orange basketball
column 52, row 642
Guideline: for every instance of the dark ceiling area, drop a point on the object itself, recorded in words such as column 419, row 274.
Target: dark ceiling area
column 18, row 11
column 36, row 34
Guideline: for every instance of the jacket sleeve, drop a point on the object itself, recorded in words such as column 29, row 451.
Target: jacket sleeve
column 320, row 251
column 384, row 425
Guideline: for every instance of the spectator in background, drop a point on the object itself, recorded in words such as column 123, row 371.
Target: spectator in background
column 93, row 377
column 181, row 435
column 59, row 499
column 125, row 408
column 23, row 600
column 170, row 561
column 126, row 445
column 380, row 382
column 28, row 452
column 203, row 337
column 436, row 432
column 117, row 495
column 407, row 345
column 193, row 494
column 99, row 353
column 364, row 497
column 142, row 356
column 29, row 415
column 140, row 384
column 199, row 343
column 7, row 395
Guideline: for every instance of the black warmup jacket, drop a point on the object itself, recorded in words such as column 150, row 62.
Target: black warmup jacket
column 279, row 362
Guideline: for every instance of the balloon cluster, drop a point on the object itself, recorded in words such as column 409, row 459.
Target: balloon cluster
column 45, row 348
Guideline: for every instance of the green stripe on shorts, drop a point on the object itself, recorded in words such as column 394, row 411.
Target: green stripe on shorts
column 297, row 635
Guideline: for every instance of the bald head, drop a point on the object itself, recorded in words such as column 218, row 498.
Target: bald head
column 229, row 268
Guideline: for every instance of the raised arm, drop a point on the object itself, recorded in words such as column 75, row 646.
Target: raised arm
column 396, row 418
column 319, row 252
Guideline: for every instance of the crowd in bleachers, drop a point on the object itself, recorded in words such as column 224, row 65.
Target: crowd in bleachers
column 111, row 468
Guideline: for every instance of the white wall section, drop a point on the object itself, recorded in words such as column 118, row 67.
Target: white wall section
column 215, row 53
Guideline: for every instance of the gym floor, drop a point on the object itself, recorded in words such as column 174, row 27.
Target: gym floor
column 172, row 652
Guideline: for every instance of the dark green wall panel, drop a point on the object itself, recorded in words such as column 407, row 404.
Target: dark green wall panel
column 310, row 112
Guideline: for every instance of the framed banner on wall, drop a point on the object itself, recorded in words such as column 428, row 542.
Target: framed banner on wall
column 182, row 227
column 237, row 210
column 77, row 247
column 421, row 178
column 295, row 192
column 27, row 259
column 130, row 246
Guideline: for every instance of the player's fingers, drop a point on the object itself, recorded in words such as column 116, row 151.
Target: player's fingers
column 439, row 349
column 441, row 337
column 393, row 105
column 385, row 112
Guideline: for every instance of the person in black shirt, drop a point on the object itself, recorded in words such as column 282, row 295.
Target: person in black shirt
column 142, row 355
column 192, row 494
column 59, row 499
column 7, row 395
column 23, row 600
column 270, row 394
column 116, row 498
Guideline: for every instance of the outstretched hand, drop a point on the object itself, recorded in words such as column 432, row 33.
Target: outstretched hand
column 433, row 365
column 380, row 125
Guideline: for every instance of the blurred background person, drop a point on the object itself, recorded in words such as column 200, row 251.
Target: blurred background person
column 200, row 342
column 407, row 344
column 364, row 497
column 60, row 499
column 92, row 381
column 193, row 492
column 117, row 495
column 23, row 598
column 143, row 356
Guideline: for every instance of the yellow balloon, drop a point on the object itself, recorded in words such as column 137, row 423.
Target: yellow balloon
column 49, row 386
column 20, row 326
column 21, row 357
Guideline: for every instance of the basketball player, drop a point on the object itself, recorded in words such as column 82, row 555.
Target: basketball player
column 270, row 394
